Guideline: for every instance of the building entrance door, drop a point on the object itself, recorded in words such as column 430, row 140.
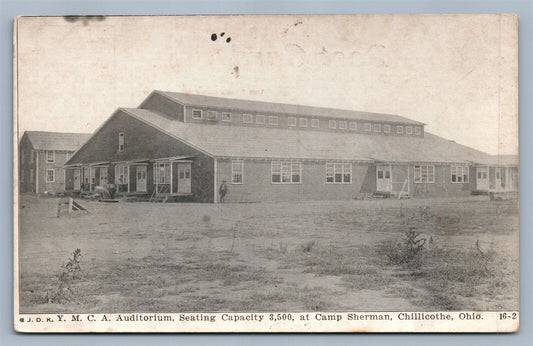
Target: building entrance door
column 77, row 181
column 141, row 178
column 498, row 179
column 482, row 178
column 384, row 179
column 103, row 177
column 184, row 178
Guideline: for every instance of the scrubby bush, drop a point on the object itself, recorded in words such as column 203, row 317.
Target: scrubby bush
column 308, row 247
column 71, row 273
column 407, row 251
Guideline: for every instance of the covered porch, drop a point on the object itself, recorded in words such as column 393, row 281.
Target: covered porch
column 170, row 176
column 151, row 178
column 496, row 179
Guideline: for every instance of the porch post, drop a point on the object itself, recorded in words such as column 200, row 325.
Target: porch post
column 215, row 190
column 408, row 188
column 171, row 175
column 129, row 178
column 507, row 179
column 391, row 184
column 36, row 171
column 488, row 178
column 156, row 177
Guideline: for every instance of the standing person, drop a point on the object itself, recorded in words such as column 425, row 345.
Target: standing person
column 222, row 191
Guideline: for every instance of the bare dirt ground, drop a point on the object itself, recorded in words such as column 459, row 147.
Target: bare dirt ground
column 328, row 256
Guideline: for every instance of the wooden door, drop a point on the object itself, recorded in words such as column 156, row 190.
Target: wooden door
column 184, row 178
column 141, row 179
column 498, row 179
column 482, row 178
column 384, row 179
column 103, row 177
column 77, row 179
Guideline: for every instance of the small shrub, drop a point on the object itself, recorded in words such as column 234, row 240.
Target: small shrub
column 308, row 247
column 71, row 273
column 405, row 252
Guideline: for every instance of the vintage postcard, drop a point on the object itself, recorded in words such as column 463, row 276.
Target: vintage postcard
column 267, row 173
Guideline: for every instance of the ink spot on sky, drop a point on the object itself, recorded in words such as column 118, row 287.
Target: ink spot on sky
column 222, row 34
column 213, row 37
column 228, row 40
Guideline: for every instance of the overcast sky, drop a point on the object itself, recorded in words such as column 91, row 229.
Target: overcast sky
column 456, row 73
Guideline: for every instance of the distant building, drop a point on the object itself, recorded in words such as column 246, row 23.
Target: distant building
column 42, row 156
column 185, row 146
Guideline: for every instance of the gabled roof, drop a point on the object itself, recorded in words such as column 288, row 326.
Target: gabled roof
column 254, row 142
column 42, row 140
column 281, row 108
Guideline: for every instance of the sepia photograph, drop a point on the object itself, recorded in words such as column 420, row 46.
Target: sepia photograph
column 266, row 173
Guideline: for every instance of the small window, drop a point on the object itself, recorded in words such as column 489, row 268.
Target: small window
column 459, row 174
column 418, row 131
column 286, row 172
column 399, row 129
column 196, row 114
column 247, row 118
column 368, row 127
column 67, row 155
column 31, row 155
column 22, row 156
column 121, row 142
column 50, row 175
column 260, row 119
column 386, row 128
column 338, row 173
column 272, row 120
column 353, row 125
column 236, row 171
column 291, row 121
column 32, row 176
column 377, row 127
column 342, row 125
column 50, row 156
column 409, row 130
column 226, row 116
column 22, row 174
column 332, row 124
column 296, row 172
column 211, row 115
column 303, row 122
column 315, row 123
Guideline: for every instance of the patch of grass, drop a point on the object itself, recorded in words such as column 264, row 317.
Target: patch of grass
column 450, row 275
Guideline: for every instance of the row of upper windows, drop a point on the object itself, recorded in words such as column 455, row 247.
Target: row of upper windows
column 273, row 120
column 50, row 156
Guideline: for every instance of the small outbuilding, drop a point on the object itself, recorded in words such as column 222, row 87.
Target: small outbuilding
column 42, row 156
